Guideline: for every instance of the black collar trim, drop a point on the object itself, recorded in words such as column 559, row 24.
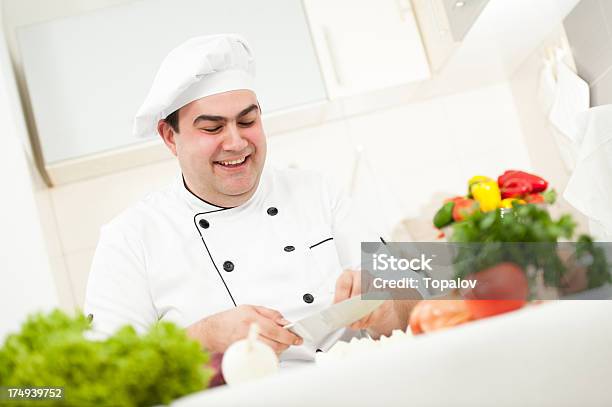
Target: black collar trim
column 203, row 200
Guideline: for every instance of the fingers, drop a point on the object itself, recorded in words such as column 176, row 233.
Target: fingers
column 374, row 317
column 277, row 333
column 344, row 286
column 363, row 323
column 270, row 324
column 271, row 314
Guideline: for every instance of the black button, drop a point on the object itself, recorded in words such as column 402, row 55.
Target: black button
column 308, row 298
column 272, row 211
column 289, row 249
column 318, row 350
column 204, row 223
column 228, row 266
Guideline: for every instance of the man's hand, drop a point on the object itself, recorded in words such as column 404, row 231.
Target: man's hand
column 216, row 332
column 392, row 314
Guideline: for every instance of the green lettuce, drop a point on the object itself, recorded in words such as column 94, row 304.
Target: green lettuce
column 126, row 369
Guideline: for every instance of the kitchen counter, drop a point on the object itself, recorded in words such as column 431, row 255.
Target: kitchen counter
column 554, row 354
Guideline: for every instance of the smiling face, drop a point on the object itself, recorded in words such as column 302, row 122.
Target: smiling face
column 220, row 145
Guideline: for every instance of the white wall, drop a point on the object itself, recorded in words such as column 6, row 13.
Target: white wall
column 27, row 283
column 414, row 151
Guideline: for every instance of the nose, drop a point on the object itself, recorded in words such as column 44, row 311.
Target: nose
column 233, row 140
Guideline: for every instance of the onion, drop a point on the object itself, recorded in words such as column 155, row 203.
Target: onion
column 248, row 359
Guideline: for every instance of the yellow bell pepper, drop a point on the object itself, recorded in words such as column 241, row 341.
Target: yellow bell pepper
column 507, row 203
column 487, row 194
column 478, row 178
column 475, row 180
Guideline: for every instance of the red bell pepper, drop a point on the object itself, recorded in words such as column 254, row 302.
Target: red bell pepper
column 515, row 188
column 537, row 184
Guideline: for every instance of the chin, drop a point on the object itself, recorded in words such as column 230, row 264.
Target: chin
column 237, row 189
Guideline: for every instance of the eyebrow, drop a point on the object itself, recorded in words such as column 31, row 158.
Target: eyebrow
column 213, row 118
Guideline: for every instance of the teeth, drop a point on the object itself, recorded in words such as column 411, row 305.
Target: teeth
column 234, row 162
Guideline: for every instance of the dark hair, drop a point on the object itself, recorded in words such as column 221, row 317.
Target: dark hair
column 173, row 120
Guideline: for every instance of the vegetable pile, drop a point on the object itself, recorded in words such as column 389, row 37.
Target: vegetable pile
column 528, row 237
column 508, row 241
column 486, row 195
column 123, row 370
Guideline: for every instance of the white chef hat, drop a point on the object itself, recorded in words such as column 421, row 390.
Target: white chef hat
column 201, row 66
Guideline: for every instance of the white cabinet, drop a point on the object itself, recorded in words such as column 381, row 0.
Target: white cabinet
column 436, row 31
column 444, row 24
column 88, row 74
column 365, row 45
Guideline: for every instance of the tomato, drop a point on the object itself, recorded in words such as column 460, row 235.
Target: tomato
column 433, row 315
column 464, row 208
column 499, row 289
column 455, row 199
column 487, row 308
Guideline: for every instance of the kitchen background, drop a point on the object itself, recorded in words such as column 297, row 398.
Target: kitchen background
column 398, row 101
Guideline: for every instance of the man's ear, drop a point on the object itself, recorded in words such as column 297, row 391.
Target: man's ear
column 167, row 134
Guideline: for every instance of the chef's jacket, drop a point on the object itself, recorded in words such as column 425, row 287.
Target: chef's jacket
column 176, row 257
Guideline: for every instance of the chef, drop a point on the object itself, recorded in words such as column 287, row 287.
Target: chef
column 230, row 242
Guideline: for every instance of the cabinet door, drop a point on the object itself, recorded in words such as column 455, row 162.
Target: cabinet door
column 366, row 44
column 435, row 31
column 88, row 74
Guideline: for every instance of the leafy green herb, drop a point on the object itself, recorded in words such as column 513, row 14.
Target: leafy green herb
column 534, row 235
column 598, row 267
column 123, row 370
column 524, row 223
column 550, row 196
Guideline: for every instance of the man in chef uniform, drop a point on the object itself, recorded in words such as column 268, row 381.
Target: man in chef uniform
column 231, row 242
